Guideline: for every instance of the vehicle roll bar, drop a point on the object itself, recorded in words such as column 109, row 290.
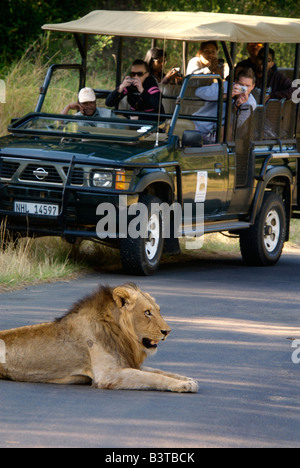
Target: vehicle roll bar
column 51, row 70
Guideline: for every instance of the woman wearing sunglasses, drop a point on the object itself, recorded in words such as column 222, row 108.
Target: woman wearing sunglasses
column 141, row 90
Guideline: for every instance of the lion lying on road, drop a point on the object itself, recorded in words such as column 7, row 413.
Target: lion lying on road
column 103, row 340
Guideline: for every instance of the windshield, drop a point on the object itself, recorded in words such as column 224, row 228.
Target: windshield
column 116, row 129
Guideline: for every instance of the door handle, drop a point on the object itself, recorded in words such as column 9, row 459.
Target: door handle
column 218, row 167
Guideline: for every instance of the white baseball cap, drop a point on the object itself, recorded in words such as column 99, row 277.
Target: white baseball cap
column 86, row 95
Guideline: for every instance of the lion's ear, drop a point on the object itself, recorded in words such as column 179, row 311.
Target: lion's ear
column 124, row 297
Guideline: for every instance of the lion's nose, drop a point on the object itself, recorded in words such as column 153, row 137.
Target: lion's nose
column 165, row 332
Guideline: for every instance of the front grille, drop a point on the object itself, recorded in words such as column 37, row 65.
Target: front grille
column 53, row 176
column 37, row 174
column 8, row 169
column 77, row 176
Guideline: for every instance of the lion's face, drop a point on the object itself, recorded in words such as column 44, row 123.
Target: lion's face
column 141, row 313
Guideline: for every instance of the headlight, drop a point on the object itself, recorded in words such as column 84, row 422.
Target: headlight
column 102, row 179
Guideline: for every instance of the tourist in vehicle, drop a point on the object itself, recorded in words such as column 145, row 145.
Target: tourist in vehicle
column 141, row 90
column 156, row 59
column 278, row 85
column 252, row 48
column 241, row 94
column 206, row 60
column 86, row 105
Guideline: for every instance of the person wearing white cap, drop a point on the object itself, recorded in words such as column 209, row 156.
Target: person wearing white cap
column 86, row 105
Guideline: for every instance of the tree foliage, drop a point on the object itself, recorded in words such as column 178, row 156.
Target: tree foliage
column 285, row 8
column 21, row 20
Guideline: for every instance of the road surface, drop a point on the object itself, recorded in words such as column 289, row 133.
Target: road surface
column 233, row 328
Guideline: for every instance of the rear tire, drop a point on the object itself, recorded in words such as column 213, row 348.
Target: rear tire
column 262, row 243
column 142, row 256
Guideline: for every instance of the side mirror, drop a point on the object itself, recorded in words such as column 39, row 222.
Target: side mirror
column 192, row 138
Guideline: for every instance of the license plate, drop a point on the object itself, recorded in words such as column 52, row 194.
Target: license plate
column 43, row 209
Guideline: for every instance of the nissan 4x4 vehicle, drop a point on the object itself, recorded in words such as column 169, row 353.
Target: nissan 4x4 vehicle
column 90, row 178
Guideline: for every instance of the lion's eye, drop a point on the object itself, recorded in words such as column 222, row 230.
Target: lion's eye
column 148, row 313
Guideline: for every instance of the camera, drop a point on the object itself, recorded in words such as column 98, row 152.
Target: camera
column 132, row 89
column 241, row 89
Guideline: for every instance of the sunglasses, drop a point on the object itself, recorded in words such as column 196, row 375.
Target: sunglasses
column 140, row 74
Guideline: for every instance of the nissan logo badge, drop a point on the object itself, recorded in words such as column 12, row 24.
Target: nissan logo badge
column 40, row 173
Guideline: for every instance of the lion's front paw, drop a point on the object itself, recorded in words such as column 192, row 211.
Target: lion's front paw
column 192, row 386
column 187, row 386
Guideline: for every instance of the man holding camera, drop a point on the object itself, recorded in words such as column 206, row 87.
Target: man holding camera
column 241, row 96
column 141, row 90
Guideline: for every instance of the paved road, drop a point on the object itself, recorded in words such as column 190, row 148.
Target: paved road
column 232, row 330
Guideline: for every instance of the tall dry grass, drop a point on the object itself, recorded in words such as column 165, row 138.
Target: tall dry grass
column 22, row 83
column 24, row 78
column 28, row 260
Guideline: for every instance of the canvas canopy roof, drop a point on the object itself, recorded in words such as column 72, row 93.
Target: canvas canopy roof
column 185, row 26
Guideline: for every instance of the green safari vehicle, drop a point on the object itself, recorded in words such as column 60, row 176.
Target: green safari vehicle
column 138, row 184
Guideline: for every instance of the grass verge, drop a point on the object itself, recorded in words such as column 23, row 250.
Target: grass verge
column 32, row 261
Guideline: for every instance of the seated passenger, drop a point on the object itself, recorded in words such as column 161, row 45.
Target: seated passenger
column 278, row 85
column 252, row 48
column 241, row 94
column 156, row 59
column 86, row 105
column 206, row 60
column 141, row 90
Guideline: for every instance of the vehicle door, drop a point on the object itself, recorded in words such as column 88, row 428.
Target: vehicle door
column 205, row 178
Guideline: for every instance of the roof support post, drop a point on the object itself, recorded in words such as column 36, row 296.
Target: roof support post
column 230, row 57
column 297, row 62
column 119, row 61
column 82, row 47
column 265, row 75
column 185, row 48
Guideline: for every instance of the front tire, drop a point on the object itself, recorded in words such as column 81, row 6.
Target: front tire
column 262, row 243
column 142, row 256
